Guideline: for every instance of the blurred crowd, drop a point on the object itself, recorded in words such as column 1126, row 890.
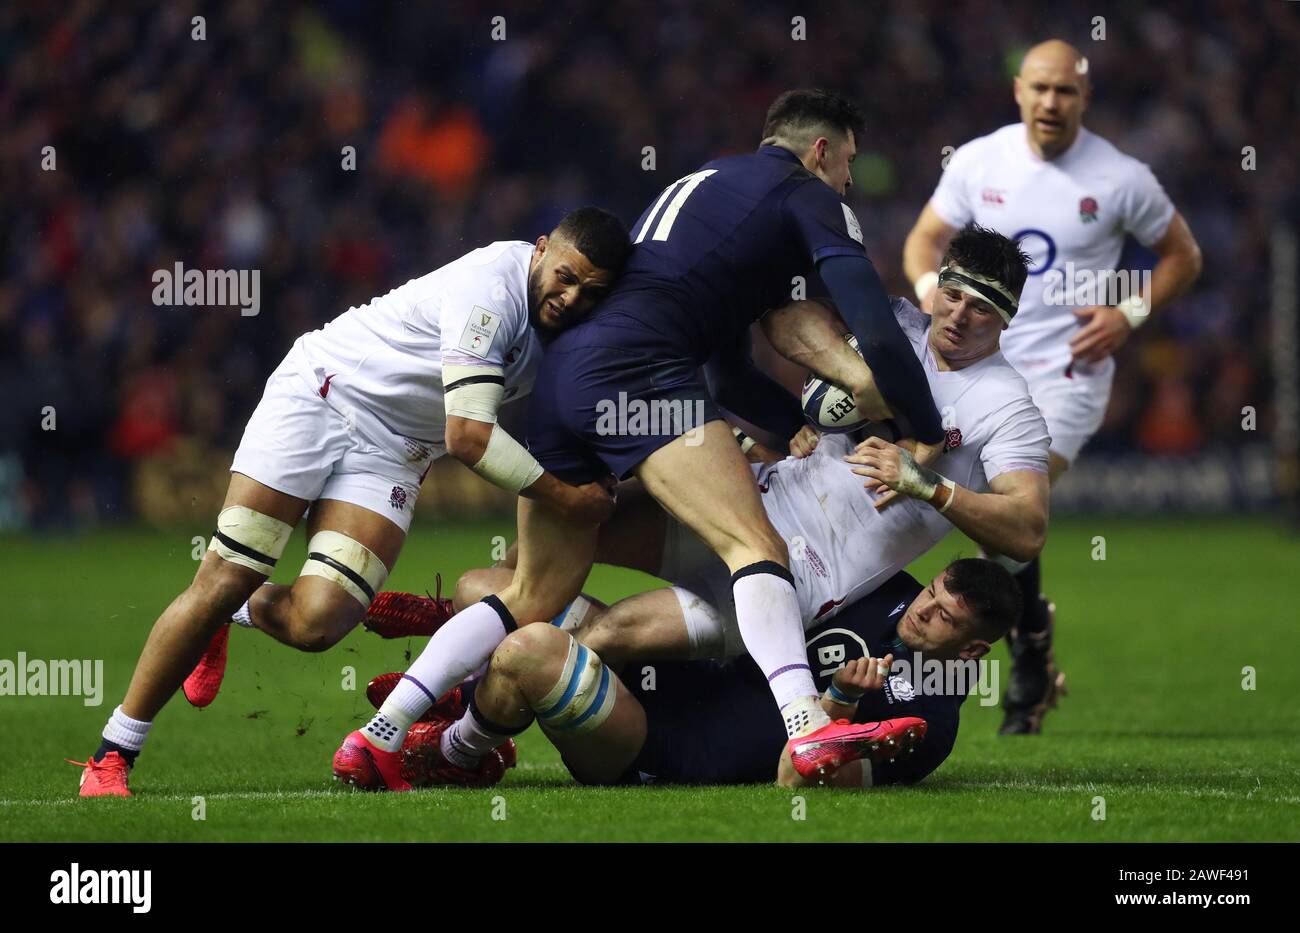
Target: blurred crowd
column 344, row 147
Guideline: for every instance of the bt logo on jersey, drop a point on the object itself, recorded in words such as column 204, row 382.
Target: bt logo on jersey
column 994, row 196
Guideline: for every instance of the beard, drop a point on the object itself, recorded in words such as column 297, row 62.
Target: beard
column 535, row 301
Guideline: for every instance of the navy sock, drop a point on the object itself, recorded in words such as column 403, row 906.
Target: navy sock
column 1033, row 618
column 105, row 746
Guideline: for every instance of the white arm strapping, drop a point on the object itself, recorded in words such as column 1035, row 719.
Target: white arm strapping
column 506, row 463
column 473, row 392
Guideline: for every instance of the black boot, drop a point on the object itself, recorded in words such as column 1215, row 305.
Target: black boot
column 1035, row 684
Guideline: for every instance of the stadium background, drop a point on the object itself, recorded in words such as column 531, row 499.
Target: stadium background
column 228, row 152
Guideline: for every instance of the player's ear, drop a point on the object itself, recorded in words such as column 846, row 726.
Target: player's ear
column 540, row 246
column 974, row 650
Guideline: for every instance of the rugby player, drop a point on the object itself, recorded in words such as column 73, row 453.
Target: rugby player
column 706, row 722
column 713, row 252
column 1069, row 197
column 990, row 481
column 349, row 424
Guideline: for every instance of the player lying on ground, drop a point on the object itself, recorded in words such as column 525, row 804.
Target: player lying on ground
column 349, row 424
column 713, row 252
column 1070, row 197
column 991, row 482
column 706, row 722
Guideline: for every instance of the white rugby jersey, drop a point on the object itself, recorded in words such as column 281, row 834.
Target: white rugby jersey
column 1075, row 208
column 385, row 359
column 841, row 548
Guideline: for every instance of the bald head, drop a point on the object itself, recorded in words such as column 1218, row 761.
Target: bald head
column 1055, row 56
column 1052, row 91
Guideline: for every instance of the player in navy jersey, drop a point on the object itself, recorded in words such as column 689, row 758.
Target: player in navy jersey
column 622, row 395
column 711, row 722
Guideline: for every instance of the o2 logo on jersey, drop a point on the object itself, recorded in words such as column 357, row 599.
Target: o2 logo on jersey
column 831, row 649
column 1037, row 243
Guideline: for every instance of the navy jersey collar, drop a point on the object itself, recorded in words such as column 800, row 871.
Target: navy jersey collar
column 779, row 152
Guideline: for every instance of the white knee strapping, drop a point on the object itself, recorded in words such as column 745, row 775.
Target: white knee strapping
column 249, row 538
column 347, row 562
column 584, row 695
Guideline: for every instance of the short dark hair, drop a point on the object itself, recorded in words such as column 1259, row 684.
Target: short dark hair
column 990, row 254
column 989, row 591
column 812, row 108
column 598, row 235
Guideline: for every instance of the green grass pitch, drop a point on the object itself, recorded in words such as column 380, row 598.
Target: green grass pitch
column 1153, row 639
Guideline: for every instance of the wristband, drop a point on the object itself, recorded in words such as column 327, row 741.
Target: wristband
column 952, row 492
column 1135, row 310
column 839, row 696
column 925, row 283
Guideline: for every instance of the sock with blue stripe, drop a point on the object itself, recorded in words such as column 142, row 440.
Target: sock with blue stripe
column 473, row 736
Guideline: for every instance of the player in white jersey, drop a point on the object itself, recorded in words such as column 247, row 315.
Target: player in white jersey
column 990, row 482
column 1069, row 197
column 348, row 425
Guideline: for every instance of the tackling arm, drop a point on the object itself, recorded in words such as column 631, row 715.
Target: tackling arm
column 473, row 397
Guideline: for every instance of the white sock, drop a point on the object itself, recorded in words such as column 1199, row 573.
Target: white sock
column 127, row 732
column 767, row 611
column 468, row 740
column 455, row 651
column 243, row 615
column 387, row 730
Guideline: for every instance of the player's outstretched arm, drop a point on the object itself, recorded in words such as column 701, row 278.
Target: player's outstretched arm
column 860, row 297
column 1010, row 519
column 489, row 450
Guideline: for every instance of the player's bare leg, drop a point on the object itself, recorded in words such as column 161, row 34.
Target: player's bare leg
column 315, row 613
column 703, row 480
column 633, row 537
column 555, row 556
column 541, row 672
column 648, row 626
column 1035, row 684
column 350, row 552
column 186, row 627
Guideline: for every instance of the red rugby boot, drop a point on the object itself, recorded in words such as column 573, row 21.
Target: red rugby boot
column 363, row 765
column 405, row 615
column 104, row 778
column 819, row 753
column 425, row 766
column 204, row 682
column 449, row 705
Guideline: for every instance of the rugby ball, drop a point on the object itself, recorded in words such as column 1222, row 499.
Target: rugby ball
column 829, row 408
